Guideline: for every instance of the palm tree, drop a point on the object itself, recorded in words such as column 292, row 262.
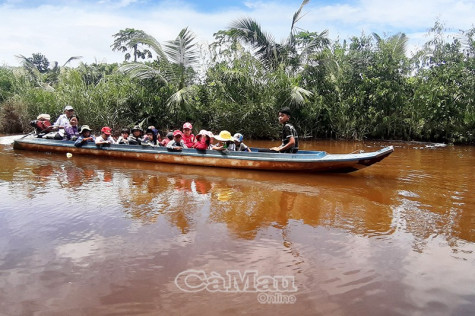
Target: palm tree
column 396, row 44
column 287, row 57
column 40, row 74
column 125, row 40
column 272, row 54
column 173, row 66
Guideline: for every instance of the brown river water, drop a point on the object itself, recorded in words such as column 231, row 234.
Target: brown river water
column 91, row 236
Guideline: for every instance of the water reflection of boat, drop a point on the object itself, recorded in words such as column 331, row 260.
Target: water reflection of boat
column 306, row 161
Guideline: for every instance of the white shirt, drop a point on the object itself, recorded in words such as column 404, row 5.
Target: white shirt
column 172, row 143
column 109, row 140
column 62, row 121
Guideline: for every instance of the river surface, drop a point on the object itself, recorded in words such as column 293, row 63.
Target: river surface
column 90, row 236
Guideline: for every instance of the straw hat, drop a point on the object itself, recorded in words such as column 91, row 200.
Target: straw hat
column 224, row 136
column 84, row 128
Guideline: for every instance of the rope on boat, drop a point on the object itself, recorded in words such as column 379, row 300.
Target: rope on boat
column 358, row 151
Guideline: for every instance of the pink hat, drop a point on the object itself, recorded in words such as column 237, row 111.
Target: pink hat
column 177, row 132
column 106, row 130
column 187, row 125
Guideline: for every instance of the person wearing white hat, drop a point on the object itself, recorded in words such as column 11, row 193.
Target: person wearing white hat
column 203, row 140
column 63, row 120
column 84, row 136
column 238, row 144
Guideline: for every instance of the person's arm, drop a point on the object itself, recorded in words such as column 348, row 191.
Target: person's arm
column 290, row 144
column 79, row 141
column 219, row 146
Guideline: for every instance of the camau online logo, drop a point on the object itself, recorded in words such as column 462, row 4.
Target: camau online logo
column 271, row 289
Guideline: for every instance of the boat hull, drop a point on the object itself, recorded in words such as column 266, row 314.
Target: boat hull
column 303, row 161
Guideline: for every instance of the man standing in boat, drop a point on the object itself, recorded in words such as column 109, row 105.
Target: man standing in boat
column 290, row 138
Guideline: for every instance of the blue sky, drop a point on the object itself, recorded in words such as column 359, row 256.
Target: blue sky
column 63, row 28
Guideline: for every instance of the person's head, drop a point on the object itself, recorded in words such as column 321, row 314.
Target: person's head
column 209, row 137
column 149, row 133
column 177, row 136
column 125, row 133
column 284, row 115
column 238, row 138
column 170, row 135
column 106, row 132
column 73, row 121
column 85, row 131
column 201, row 134
column 187, row 128
column 69, row 111
column 136, row 131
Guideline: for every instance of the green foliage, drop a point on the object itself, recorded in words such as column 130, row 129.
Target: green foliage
column 40, row 62
column 7, row 83
column 125, row 41
column 363, row 87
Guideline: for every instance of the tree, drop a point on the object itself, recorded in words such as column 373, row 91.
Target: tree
column 173, row 67
column 125, row 41
column 289, row 53
column 40, row 62
column 39, row 71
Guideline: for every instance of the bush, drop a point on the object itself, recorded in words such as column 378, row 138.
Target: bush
column 14, row 117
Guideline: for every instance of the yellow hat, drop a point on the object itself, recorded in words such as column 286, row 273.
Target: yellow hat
column 224, row 136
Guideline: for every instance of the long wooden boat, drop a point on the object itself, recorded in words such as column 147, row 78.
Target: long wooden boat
column 303, row 161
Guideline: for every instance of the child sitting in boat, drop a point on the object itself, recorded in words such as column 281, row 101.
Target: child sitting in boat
column 156, row 135
column 124, row 137
column 188, row 137
column 84, row 136
column 226, row 141
column 203, row 140
column 167, row 139
column 71, row 132
column 238, row 144
column 105, row 138
column 136, row 137
column 150, row 138
column 177, row 143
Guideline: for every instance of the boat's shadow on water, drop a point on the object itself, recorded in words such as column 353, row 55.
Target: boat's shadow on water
column 245, row 200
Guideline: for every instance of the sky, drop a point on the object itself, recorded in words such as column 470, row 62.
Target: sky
column 60, row 29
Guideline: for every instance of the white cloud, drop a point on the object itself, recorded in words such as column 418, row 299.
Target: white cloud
column 63, row 31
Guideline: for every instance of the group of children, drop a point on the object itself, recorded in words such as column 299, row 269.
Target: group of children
column 66, row 127
column 176, row 140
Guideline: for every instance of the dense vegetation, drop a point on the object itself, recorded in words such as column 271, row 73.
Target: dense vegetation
column 363, row 87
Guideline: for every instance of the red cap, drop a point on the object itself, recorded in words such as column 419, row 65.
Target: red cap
column 106, row 130
column 177, row 132
column 187, row 125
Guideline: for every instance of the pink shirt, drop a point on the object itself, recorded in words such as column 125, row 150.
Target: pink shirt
column 188, row 140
